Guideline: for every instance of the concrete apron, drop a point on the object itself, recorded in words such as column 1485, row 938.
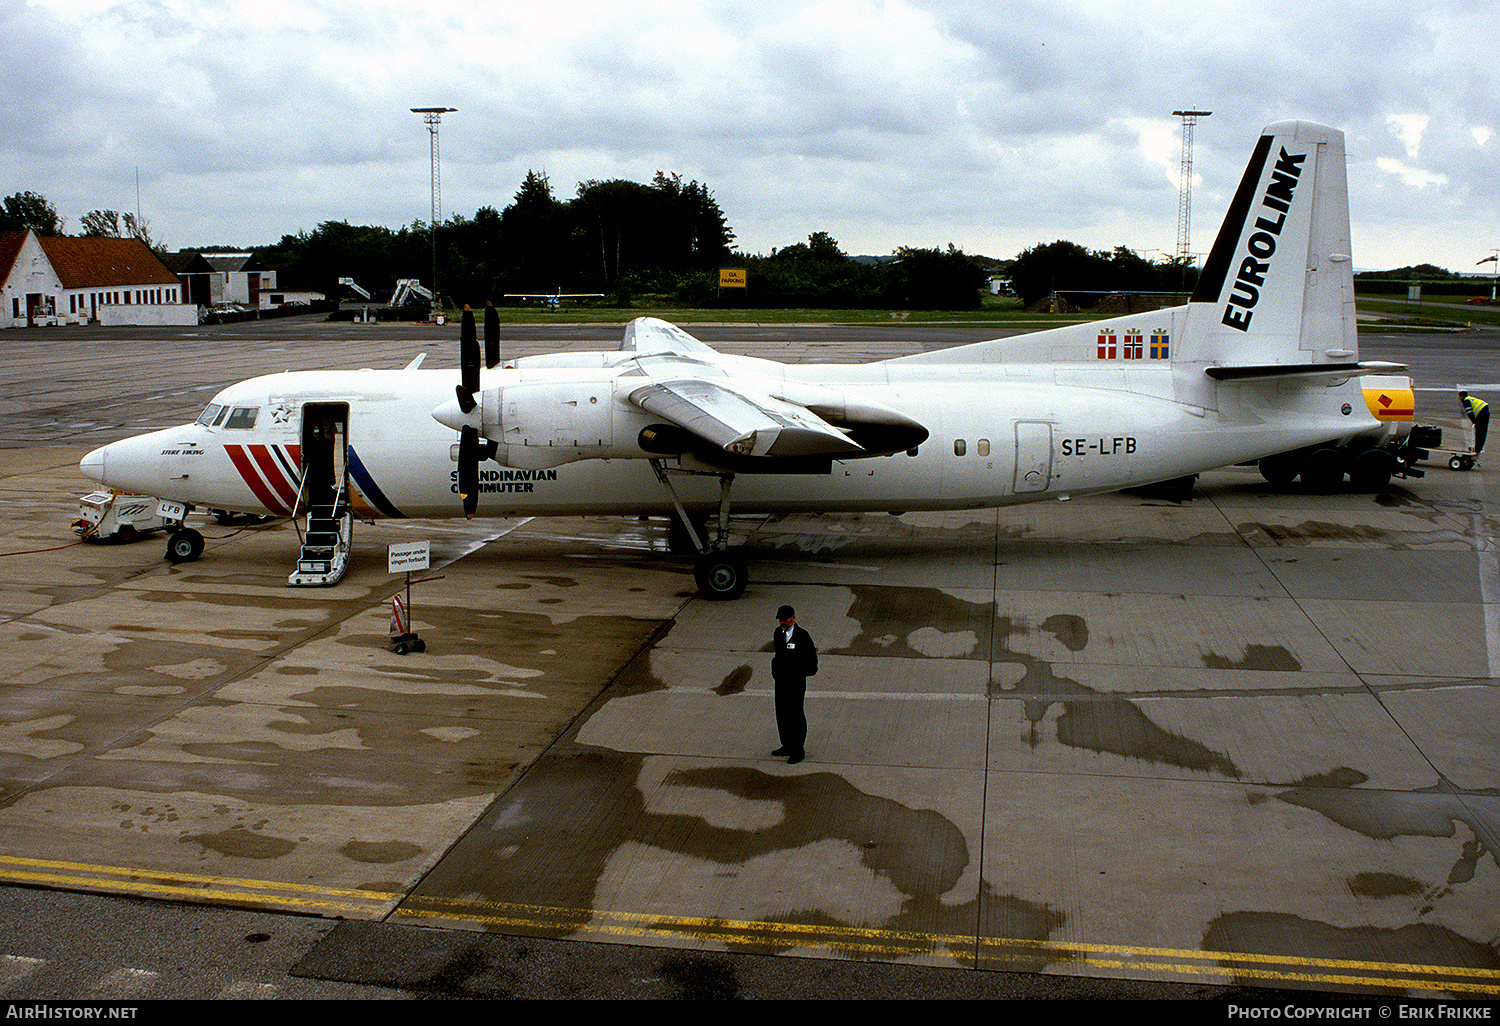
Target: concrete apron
column 1248, row 738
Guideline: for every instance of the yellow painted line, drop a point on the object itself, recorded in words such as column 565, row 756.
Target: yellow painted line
column 1493, row 974
column 195, row 886
column 1222, row 965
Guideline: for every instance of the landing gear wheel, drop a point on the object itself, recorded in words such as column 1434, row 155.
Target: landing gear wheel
column 1324, row 470
column 720, row 576
column 184, row 545
column 1371, row 470
column 1456, row 463
column 1281, row 468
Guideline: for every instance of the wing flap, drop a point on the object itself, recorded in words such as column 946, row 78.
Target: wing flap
column 743, row 424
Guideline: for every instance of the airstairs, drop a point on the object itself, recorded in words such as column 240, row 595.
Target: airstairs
column 325, row 544
column 409, row 290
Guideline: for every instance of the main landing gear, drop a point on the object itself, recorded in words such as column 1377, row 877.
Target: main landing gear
column 719, row 573
column 1323, row 468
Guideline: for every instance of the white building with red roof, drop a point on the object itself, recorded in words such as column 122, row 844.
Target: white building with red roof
column 59, row 279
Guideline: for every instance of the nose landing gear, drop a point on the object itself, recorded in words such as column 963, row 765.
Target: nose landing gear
column 184, row 545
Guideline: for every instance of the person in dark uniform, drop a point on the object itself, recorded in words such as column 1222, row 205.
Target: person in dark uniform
column 1478, row 412
column 796, row 659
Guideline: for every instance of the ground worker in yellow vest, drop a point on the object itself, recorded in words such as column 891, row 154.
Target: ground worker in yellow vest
column 1478, row 412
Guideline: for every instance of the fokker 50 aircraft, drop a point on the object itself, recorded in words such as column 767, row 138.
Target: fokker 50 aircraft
column 1260, row 365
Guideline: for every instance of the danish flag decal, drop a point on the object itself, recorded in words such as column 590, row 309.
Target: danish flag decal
column 1131, row 345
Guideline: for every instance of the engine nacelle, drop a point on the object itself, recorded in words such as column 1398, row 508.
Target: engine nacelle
column 547, row 423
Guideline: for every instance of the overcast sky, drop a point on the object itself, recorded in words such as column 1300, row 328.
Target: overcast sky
column 910, row 122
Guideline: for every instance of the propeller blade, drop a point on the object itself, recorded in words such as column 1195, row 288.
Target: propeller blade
column 491, row 335
column 468, row 361
column 468, row 469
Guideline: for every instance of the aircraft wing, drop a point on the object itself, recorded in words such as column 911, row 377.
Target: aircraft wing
column 651, row 336
column 742, row 422
column 689, row 385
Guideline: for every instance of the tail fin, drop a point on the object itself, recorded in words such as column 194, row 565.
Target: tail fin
column 1278, row 285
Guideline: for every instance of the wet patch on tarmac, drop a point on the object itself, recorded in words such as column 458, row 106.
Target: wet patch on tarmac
column 1384, row 885
column 380, row 851
column 1091, row 720
column 242, row 843
column 511, row 858
column 886, row 618
column 1293, row 936
column 1386, row 815
column 1071, row 631
column 1256, row 657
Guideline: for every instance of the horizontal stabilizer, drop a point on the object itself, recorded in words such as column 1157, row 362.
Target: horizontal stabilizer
column 1330, row 371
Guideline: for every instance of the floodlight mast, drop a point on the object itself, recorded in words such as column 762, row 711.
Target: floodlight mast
column 1185, row 187
column 432, row 117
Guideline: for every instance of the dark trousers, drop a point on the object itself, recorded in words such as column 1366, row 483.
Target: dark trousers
column 1481, row 428
column 791, row 721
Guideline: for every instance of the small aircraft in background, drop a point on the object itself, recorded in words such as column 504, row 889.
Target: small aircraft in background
column 1262, row 364
column 553, row 300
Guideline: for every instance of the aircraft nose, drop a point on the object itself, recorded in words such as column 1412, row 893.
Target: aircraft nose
column 92, row 465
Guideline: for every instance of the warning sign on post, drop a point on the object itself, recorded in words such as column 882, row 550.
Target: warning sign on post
column 408, row 556
column 731, row 278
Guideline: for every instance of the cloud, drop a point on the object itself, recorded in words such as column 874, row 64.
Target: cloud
column 886, row 122
column 1414, row 177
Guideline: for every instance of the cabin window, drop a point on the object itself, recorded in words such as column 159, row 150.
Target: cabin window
column 984, row 447
column 241, row 417
column 959, row 446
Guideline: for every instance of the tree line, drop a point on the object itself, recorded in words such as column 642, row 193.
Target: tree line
column 32, row 210
column 1079, row 274
column 666, row 239
column 624, row 240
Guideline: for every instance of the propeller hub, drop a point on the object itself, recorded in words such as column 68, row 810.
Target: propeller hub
column 449, row 414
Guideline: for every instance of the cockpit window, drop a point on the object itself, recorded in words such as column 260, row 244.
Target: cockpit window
column 210, row 415
column 241, row 417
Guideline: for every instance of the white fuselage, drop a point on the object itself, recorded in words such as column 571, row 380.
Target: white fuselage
column 998, row 434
